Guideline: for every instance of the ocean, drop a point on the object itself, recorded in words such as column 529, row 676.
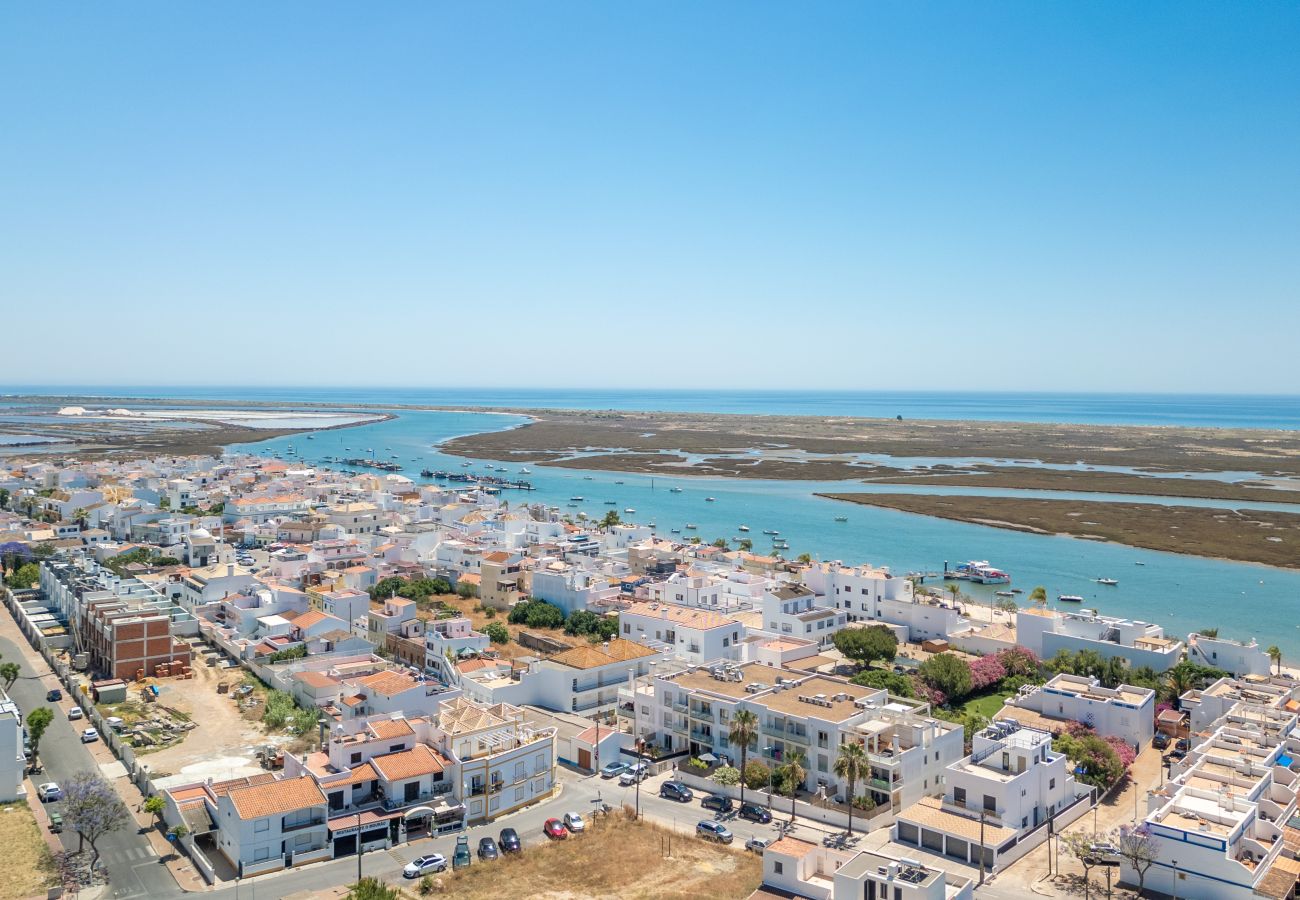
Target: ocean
column 1220, row 411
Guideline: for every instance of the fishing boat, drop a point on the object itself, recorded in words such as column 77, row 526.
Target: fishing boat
column 1109, row 581
column 744, row 528
column 691, row 526
column 578, row 499
column 769, row 531
column 310, row 438
column 841, row 518
column 677, row 531
column 708, row 499
column 571, row 504
column 618, row 482
column 1003, row 593
column 1016, row 591
column 674, row 490
column 629, row 510
column 426, row 473
column 611, row 503
column 1069, row 598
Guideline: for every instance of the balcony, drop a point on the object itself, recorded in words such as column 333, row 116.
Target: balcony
column 704, row 737
column 788, row 733
column 313, row 822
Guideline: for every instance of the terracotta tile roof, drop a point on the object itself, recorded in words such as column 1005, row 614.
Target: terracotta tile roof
column 363, row 772
column 388, row 682
column 275, row 798
column 315, row 679
column 592, row 656
column 497, row 556
column 387, row 729
column 413, row 763
column 681, row 615
column 310, row 618
column 929, row 814
column 353, row 700
column 791, row 847
column 462, row 715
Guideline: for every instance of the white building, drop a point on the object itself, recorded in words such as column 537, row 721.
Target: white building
column 866, row 593
column 695, row 636
column 1047, row 631
column 789, row 609
column 1007, row 790
column 1126, row 712
column 1233, row 657
column 12, row 761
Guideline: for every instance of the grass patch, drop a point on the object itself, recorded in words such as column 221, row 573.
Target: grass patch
column 616, row 858
column 28, row 868
column 985, row 705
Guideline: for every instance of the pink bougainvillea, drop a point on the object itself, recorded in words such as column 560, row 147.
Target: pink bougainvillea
column 986, row 671
column 925, row 692
column 1123, row 750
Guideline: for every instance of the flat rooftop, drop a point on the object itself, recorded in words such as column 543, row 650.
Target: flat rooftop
column 701, row 680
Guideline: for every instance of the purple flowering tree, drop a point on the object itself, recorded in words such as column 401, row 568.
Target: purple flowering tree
column 92, row 809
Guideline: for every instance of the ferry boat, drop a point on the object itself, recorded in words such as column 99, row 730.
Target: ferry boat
column 1069, row 598
column 978, row 571
column 1109, row 581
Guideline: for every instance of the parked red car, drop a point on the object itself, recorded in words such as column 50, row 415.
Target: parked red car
column 555, row 830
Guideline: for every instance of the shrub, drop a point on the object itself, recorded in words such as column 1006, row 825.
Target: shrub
column 898, row 685
column 756, row 775
column 536, row 614
column 497, row 632
column 698, row 765
column 1019, row 661
column 985, row 672
column 727, row 776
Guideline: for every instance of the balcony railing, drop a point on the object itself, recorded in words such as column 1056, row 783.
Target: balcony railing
column 700, row 735
column 299, row 826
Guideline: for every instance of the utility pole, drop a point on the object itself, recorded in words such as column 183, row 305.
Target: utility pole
column 981, row 846
column 640, row 774
column 358, row 846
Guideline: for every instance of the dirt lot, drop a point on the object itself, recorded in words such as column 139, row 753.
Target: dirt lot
column 224, row 740
column 617, row 857
column 28, row 866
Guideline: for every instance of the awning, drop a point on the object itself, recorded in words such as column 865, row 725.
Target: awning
column 1284, row 760
column 443, row 808
column 708, row 758
column 416, row 811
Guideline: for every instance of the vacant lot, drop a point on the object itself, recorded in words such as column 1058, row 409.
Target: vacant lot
column 470, row 607
column 617, row 858
column 1245, row 535
column 28, row 866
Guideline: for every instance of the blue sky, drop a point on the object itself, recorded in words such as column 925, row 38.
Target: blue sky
column 1052, row 196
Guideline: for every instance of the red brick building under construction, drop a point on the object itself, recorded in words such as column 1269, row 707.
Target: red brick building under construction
column 128, row 642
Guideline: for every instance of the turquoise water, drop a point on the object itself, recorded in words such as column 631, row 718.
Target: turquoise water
column 1240, row 411
column 1183, row 593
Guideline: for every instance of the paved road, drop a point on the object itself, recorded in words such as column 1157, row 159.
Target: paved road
column 133, row 866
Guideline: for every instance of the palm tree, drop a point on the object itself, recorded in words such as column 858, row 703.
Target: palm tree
column 9, row 673
column 852, row 763
column 1275, row 654
column 744, row 730
column 1038, row 596
column 955, row 590
column 1178, row 681
column 795, row 773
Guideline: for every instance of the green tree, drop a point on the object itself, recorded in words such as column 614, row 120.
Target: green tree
column 955, row 590
column 948, row 673
column 896, row 684
column 756, row 775
column 9, row 673
column 852, row 764
column 742, row 733
column 38, row 720
column 1008, row 606
column 497, row 632
column 1038, row 596
column 867, row 645
column 4, row 498
column 611, row 519
column 804, row 558
column 793, row 773
column 745, row 545
column 389, row 587
column 720, row 543
column 1275, row 654
column 155, row 805
column 23, row 577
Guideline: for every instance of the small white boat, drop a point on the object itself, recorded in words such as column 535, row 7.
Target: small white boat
column 629, row 510
column 525, row 471
column 586, row 478
column 1069, row 598
column 744, row 528
column 1110, row 581
column 675, row 490
column 708, row 499
column 578, row 499
column 611, row 503
column 691, row 526
column 771, row 532
column 1004, row 593
column 841, row 518
column 677, row 531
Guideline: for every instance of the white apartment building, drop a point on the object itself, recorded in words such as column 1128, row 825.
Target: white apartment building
column 695, row 636
column 797, row 713
column 12, row 762
column 802, row 869
column 265, row 825
column 1007, row 790
column 1206, row 707
column 867, row 593
column 1046, row 631
column 789, row 609
column 446, row 641
column 571, row 588
column 1125, row 711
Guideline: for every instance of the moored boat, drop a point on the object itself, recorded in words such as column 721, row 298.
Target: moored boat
column 1069, row 598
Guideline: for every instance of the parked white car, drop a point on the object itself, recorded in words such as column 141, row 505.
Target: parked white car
column 573, row 821
column 49, row 792
column 75, row 713
column 89, row 736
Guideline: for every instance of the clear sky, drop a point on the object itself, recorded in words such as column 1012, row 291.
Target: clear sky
column 1058, row 196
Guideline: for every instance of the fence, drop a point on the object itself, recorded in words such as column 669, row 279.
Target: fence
column 833, row 816
column 1035, row 838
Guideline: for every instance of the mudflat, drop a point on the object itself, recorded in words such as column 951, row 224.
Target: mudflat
column 826, row 448
column 1271, row 538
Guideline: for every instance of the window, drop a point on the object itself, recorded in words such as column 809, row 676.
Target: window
column 396, row 747
column 356, row 758
column 777, row 867
column 959, row 795
column 262, row 825
column 990, row 803
column 627, row 628
column 1051, row 785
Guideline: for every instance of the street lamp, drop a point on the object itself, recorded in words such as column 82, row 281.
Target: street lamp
column 768, row 751
column 1174, row 890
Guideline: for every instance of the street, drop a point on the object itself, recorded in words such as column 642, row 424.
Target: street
column 132, row 864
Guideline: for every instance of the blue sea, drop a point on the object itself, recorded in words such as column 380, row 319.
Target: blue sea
column 1215, row 410
column 1183, row 593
